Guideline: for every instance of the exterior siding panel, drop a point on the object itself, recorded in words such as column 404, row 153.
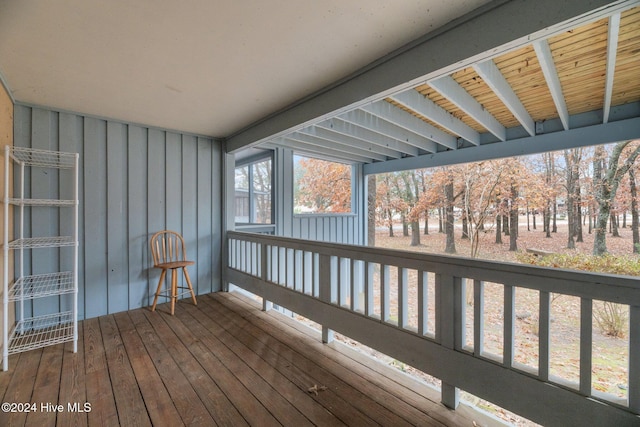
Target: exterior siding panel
column 134, row 181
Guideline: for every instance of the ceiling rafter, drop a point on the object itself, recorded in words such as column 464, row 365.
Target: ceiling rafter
column 307, row 152
column 499, row 85
column 421, row 134
column 455, row 93
column 612, row 49
column 323, row 140
column 340, row 136
column 361, row 137
column 413, row 100
column 543, row 52
column 376, row 124
column 306, row 143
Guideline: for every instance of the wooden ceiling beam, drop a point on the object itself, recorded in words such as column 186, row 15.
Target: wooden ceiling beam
column 545, row 58
column 499, row 85
column 414, row 101
column 612, row 49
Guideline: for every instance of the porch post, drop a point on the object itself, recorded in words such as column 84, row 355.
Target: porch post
column 449, row 327
column 228, row 209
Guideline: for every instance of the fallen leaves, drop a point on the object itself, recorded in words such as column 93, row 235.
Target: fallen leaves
column 316, row 388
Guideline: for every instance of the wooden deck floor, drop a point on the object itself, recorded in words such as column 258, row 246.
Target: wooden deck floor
column 224, row 362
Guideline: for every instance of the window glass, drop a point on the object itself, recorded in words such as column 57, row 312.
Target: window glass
column 321, row 186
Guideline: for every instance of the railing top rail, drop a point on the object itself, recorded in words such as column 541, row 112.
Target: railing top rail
column 607, row 287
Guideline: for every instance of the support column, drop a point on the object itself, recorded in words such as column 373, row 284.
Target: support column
column 228, row 209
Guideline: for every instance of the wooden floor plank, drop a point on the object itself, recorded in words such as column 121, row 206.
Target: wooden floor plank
column 221, row 362
column 240, row 396
column 98, row 383
column 185, row 399
column 72, row 385
column 351, row 388
column 261, row 389
column 46, row 389
column 129, row 402
column 159, row 405
column 296, row 395
column 218, row 405
column 20, row 387
column 324, row 406
column 415, row 393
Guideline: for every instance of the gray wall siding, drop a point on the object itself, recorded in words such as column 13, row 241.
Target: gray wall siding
column 133, row 181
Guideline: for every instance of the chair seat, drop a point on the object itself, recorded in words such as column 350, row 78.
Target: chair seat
column 174, row 264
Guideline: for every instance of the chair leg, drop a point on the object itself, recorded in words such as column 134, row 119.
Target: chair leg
column 155, row 300
column 186, row 276
column 174, row 289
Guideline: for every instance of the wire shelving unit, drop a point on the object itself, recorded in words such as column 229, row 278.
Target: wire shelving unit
column 28, row 333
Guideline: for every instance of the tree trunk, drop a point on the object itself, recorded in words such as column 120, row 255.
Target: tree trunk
column 415, row 233
column 465, row 226
column 547, row 219
column 624, row 219
column 450, row 246
column 528, row 219
column 371, row 210
column 513, row 220
column 534, row 219
column 390, row 215
column 554, row 228
column 505, row 225
column 498, row 228
column 578, row 210
column 440, row 220
column 426, row 222
column 405, row 224
column 634, row 211
column 606, row 188
column 614, row 225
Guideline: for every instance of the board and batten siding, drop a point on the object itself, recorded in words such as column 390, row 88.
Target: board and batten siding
column 133, row 181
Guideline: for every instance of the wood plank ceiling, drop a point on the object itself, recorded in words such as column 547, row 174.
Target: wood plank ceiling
column 582, row 77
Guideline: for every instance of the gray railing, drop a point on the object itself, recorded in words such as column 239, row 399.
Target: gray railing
column 432, row 312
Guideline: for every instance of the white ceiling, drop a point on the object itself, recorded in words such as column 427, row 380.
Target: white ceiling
column 202, row 66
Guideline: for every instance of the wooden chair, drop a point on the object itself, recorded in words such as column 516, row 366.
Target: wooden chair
column 169, row 253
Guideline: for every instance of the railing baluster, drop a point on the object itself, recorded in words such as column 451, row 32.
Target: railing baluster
column 509, row 315
column 544, row 335
column 326, row 290
column 384, row 292
column 315, row 262
column 478, row 317
column 586, row 345
column 369, row 270
column 353, row 303
column 634, row 359
column 403, row 298
column 423, row 303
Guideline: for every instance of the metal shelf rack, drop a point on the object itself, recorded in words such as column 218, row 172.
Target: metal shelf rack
column 29, row 333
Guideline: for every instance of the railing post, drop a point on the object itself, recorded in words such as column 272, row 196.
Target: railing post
column 634, row 359
column 448, row 326
column 264, row 273
column 325, row 291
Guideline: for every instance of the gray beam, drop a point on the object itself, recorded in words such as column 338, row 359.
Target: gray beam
column 590, row 135
column 332, row 153
column 499, row 85
column 422, row 132
column 323, row 139
column 422, row 105
column 358, row 136
column 455, row 93
column 612, row 49
column 483, row 34
column 381, row 126
column 543, row 52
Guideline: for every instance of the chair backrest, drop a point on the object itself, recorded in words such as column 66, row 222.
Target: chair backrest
column 167, row 246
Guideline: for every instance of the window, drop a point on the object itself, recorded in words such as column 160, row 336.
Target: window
column 253, row 188
column 321, row 186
